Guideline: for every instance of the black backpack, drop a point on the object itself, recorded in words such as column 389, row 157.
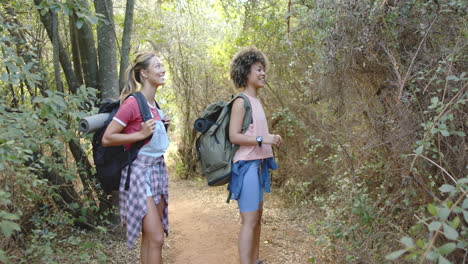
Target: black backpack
column 110, row 161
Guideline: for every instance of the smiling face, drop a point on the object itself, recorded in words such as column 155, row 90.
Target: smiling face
column 155, row 73
column 257, row 76
column 248, row 63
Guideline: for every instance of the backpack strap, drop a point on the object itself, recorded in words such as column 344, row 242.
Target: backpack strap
column 227, row 111
column 157, row 105
column 143, row 105
column 133, row 151
column 248, row 111
column 245, row 123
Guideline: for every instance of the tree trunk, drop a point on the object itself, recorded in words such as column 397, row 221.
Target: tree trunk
column 108, row 79
column 88, row 53
column 84, row 167
column 56, row 50
column 46, row 20
column 127, row 36
column 75, row 50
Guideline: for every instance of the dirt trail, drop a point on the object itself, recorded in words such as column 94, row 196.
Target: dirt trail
column 204, row 230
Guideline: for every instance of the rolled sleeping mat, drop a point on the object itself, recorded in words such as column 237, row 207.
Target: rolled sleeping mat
column 202, row 125
column 92, row 123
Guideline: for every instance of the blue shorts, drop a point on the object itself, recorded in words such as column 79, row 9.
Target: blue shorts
column 251, row 193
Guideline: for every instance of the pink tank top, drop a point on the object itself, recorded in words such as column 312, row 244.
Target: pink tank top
column 259, row 127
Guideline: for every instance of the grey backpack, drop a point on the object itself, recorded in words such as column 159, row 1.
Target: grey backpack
column 214, row 149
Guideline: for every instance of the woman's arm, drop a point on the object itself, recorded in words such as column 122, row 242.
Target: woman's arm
column 113, row 135
column 235, row 128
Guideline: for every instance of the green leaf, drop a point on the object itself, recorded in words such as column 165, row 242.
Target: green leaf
column 462, row 244
column 452, row 78
column 434, row 226
column 432, row 209
column 66, row 10
column 462, row 181
column 449, row 204
column 4, row 258
column 420, row 243
column 88, row 245
column 446, row 188
column 407, row 241
column 84, row 211
column 92, row 19
column 465, row 215
column 447, row 248
column 414, row 230
column 444, row 213
column 443, row 260
column 434, row 100
column 8, row 216
column 396, row 254
column 419, row 150
column 460, row 133
column 465, row 202
column 8, row 227
column 455, row 222
column 79, row 23
column 432, row 255
column 450, row 233
column 444, row 133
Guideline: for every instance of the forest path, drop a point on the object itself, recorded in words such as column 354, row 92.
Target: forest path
column 204, row 229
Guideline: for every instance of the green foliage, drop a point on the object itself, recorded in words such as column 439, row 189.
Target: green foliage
column 447, row 234
column 367, row 184
column 287, row 123
column 7, row 220
column 70, row 8
column 370, row 97
column 29, row 142
column 52, row 240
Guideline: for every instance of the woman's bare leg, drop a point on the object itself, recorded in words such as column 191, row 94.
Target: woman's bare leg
column 153, row 233
column 258, row 229
column 246, row 241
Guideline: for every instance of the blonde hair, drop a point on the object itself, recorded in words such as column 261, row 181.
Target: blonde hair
column 132, row 74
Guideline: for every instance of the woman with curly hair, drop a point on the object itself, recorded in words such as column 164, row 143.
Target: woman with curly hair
column 252, row 161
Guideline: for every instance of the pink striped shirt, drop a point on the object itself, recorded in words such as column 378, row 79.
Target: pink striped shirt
column 259, row 127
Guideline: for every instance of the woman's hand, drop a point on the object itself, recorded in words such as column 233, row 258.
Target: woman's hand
column 167, row 120
column 147, row 128
column 273, row 139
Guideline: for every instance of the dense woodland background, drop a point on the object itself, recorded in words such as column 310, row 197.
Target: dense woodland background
column 369, row 96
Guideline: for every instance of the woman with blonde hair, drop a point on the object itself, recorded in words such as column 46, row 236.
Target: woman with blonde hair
column 144, row 206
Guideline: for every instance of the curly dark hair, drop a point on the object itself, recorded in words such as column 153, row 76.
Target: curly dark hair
column 241, row 63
